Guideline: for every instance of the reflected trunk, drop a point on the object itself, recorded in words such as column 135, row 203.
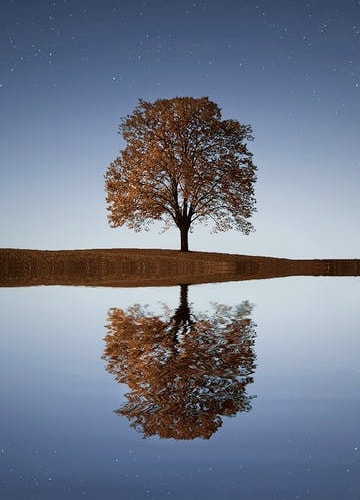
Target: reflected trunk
column 181, row 320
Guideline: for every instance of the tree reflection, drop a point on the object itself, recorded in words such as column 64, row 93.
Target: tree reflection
column 184, row 370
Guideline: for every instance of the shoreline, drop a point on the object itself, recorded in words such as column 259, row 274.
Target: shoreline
column 133, row 267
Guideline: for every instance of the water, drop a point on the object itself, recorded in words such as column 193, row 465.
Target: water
column 66, row 422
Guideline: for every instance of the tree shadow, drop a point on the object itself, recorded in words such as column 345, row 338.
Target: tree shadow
column 185, row 370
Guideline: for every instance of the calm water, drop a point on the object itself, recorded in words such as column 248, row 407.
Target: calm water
column 266, row 406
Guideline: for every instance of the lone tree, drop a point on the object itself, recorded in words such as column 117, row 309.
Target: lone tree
column 182, row 164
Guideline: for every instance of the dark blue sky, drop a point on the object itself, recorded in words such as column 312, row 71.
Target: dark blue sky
column 71, row 69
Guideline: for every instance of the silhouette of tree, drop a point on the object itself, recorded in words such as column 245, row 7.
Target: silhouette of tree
column 184, row 371
column 182, row 165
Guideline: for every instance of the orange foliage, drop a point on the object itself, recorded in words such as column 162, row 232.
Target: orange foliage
column 184, row 371
column 182, row 164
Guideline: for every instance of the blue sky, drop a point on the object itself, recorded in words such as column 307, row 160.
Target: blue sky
column 71, row 69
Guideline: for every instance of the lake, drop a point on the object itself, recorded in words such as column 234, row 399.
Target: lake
column 241, row 390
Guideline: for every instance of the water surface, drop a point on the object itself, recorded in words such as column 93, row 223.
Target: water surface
column 64, row 431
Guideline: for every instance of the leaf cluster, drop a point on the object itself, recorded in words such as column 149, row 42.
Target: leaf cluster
column 183, row 375
column 182, row 164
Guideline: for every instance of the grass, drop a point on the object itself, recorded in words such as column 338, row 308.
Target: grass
column 150, row 267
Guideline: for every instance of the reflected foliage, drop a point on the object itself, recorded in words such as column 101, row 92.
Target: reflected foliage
column 184, row 370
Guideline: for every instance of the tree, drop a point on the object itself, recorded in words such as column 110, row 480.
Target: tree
column 182, row 164
column 184, row 370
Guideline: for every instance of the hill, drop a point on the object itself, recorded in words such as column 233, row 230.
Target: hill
column 150, row 267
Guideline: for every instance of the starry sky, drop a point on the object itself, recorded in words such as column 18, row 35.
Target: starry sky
column 70, row 69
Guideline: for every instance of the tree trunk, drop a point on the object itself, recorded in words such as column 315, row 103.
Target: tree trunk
column 184, row 232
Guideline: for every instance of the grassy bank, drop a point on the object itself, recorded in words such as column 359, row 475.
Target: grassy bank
column 145, row 267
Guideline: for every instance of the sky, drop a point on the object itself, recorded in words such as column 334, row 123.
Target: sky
column 71, row 69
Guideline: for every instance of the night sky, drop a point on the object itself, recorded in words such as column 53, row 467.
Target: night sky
column 70, row 69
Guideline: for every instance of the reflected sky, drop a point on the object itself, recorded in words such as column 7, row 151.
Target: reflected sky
column 59, row 436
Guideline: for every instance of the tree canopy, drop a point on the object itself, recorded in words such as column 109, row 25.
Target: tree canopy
column 184, row 370
column 182, row 164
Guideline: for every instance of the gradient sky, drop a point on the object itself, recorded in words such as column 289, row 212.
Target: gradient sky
column 70, row 69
